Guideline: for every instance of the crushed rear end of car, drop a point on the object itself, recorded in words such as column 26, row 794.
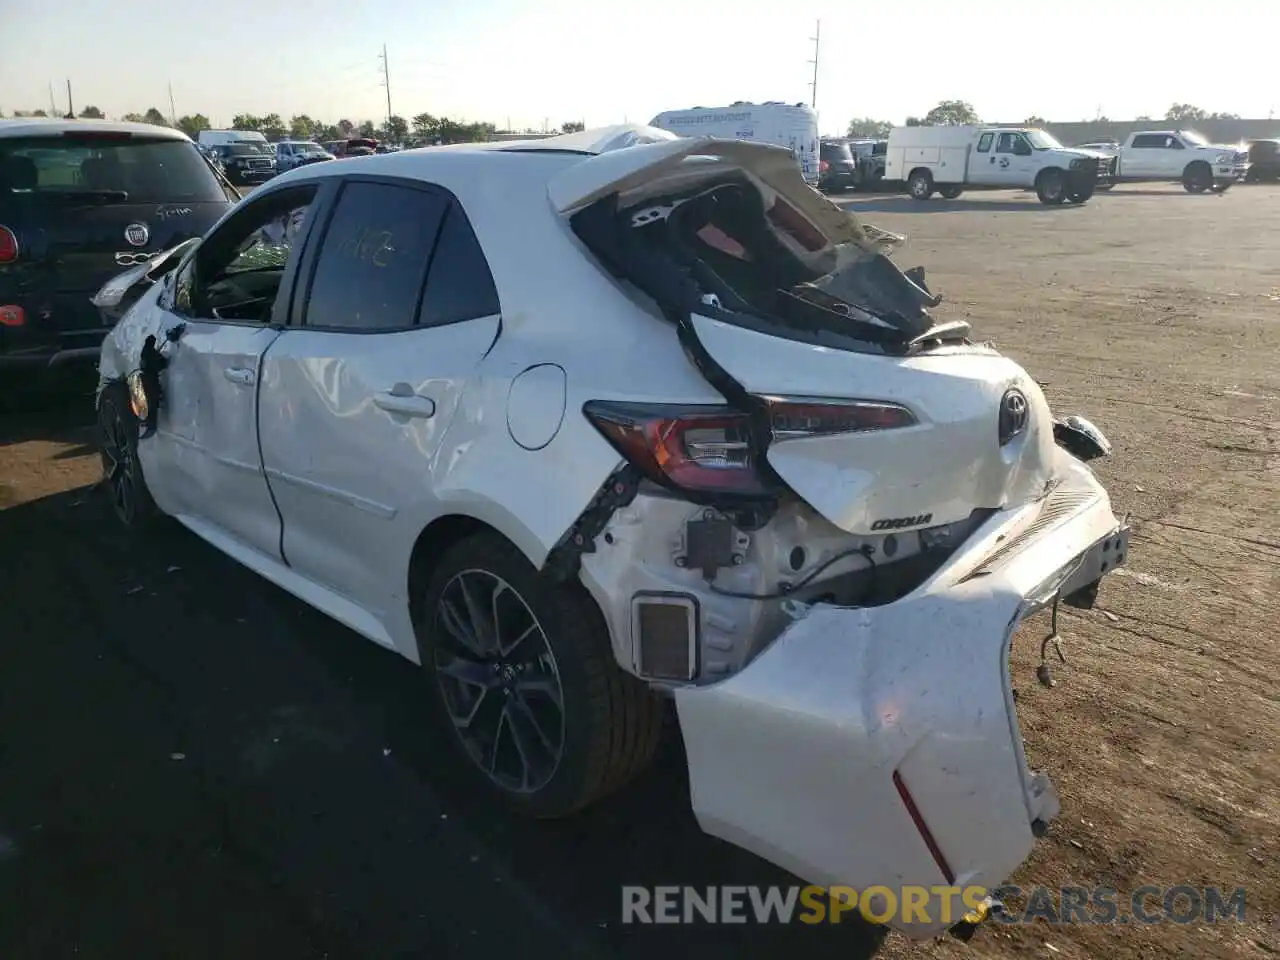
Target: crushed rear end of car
column 827, row 569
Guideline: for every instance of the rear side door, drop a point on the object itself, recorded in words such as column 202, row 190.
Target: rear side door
column 1142, row 157
column 356, row 395
column 228, row 304
column 984, row 168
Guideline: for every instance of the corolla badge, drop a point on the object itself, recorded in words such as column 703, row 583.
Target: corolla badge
column 137, row 234
column 1015, row 413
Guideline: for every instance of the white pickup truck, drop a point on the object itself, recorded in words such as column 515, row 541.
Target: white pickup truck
column 1180, row 155
column 951, row 159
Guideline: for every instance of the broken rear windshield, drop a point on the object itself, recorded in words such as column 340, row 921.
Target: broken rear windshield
column 719, row 249
column 126, row 168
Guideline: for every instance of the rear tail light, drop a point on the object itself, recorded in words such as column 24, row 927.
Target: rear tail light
column 793, row 417
column 11, row 315
column 711, row 449
column 8, row 245
column 824, row 166
column 696, row 449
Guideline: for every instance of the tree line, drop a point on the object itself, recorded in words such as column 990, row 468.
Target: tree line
column 427, row 128
column 958, row 112
column 424, row 127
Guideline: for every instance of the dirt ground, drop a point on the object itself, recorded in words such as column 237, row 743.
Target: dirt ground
column 194, row 764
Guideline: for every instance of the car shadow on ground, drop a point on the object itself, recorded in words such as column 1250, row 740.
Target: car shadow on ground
column 194, row 758
column 898, row 204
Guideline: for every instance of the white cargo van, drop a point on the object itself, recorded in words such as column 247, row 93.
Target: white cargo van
column 794, row 126
column 951, row 159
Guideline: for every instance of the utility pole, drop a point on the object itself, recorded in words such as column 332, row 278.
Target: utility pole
column 53, row 107
column 71, row 110
column 386, row 82
column 817, row 34
column 173, row 111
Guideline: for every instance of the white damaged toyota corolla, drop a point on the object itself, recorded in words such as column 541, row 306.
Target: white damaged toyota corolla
column 589, row 422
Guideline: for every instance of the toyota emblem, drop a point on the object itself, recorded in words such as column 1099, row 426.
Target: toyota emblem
column 137, row 234
column 1014, row 415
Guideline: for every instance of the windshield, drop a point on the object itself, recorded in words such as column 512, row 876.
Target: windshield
column 308, row 148
column 1042, row 141
column 110, row 167
column 1193, row 138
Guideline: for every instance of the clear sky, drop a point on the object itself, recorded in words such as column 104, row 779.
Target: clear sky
column 602, row 62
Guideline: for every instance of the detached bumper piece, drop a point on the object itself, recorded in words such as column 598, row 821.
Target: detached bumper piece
column 879, row 746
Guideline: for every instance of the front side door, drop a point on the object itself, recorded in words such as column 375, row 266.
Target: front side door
column 357, row 393
column 226, row 306
column 1014, row 160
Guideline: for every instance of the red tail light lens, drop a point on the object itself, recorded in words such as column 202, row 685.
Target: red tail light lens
column 824, row 166
column 794, row 417
column 697, row 449
column 12, row 315
column 8, row 245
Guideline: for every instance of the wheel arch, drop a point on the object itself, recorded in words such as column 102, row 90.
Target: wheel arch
column 1046, row 171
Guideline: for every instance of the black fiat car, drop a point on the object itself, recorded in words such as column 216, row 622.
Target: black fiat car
column 80, row 202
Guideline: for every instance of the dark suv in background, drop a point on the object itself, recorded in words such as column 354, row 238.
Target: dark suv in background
column 837, row 168
column 80, row 202
column 1264, row 160
column 246, row 163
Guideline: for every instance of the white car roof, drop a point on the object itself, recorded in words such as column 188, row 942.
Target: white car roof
column 54, row 126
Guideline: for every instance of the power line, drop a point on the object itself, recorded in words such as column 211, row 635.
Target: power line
column 817, row 34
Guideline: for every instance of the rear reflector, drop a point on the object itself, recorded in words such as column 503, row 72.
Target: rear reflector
column 12, row 315
column 664, row 631
column 926, row 834
column 8, row 245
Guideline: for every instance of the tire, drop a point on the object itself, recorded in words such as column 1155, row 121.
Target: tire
column 608, row 722
column 1197, row 178
column 1104, row 187
column 1051, row 187
column 920, row 185
column 1222, row 187
column 1082, row 195
column 951, row 191
column 121, row 469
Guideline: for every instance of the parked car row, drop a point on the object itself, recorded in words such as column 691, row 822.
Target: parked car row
column 247, row 158
column 851, row 164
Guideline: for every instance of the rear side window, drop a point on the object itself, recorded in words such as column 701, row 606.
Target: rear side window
column 984, row 142
column 460, row 285
column 1149, row 140
column 113, row 168
column 374, row 259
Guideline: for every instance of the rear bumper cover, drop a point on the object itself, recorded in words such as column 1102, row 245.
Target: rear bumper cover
column 794, row 758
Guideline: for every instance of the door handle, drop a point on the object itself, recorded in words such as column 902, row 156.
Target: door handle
column 240, row 375
column 407, row 405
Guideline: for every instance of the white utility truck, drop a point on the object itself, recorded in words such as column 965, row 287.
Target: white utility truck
column 1180, row 155
column 794, row 126
column 952, row 159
